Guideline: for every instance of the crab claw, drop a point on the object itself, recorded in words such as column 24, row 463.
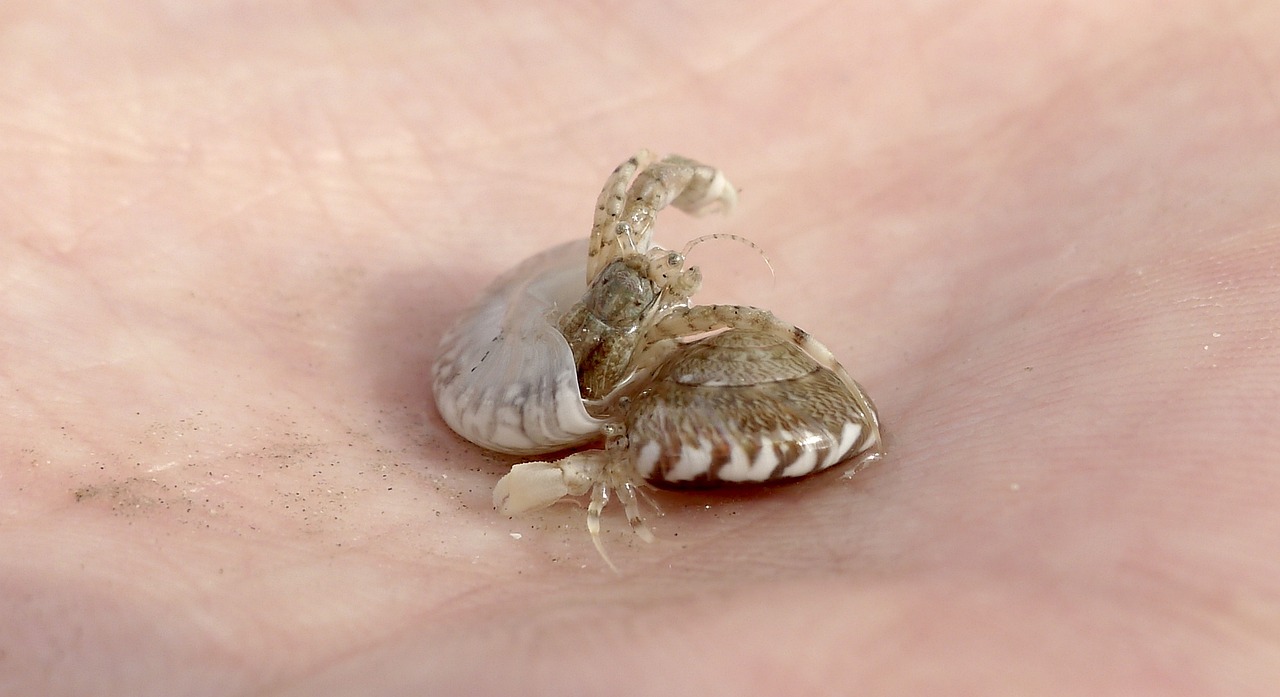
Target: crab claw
column 529, row 486
column 533, row 485
column 709, row 192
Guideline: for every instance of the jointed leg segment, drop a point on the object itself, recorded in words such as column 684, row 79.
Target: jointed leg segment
column 533, row 485
column 625, row 214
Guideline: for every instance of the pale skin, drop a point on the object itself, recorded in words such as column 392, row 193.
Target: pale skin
column 1043, row 236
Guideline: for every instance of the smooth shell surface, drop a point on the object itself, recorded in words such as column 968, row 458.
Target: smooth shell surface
column 744, row 407
column 505, row 377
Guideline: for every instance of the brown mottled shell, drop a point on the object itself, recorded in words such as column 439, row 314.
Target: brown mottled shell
column 743, row 407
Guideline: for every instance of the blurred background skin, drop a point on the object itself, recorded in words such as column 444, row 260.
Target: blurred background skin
column 1043, row 235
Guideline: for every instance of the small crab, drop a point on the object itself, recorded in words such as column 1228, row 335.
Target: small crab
column 682, row 396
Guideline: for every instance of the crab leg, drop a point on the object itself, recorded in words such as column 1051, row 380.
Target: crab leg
column 605, row 229
column 624, row 215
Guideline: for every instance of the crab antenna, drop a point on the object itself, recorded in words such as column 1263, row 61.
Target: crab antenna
column 729, row 236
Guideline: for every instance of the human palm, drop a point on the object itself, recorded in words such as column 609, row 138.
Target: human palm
column 1045, row 240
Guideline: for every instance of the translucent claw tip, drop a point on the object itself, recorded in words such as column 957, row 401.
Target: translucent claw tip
column 642, row 531
column 599, row 497
column 595, row 539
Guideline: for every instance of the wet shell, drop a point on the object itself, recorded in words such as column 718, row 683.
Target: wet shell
column 745, row 407
column 505, row 378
